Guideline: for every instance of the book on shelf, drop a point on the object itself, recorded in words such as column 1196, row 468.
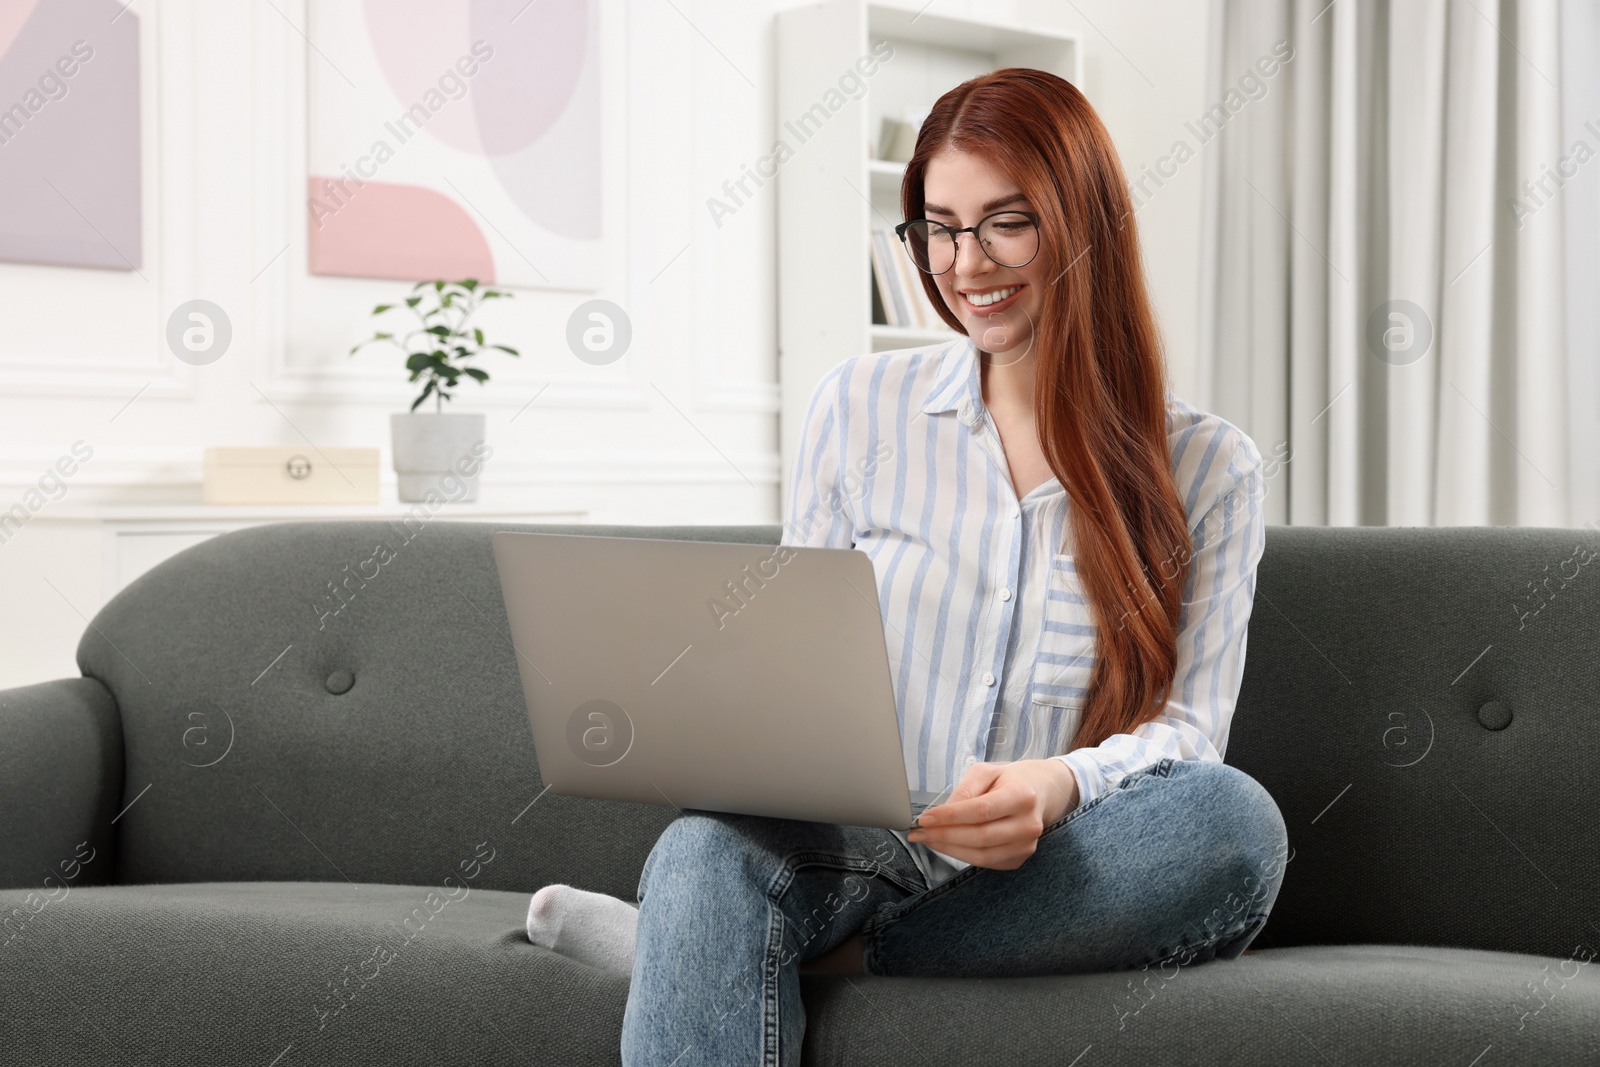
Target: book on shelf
column 896, row 310
column 897, row 286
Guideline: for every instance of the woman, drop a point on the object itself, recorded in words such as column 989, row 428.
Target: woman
column 1066, row 555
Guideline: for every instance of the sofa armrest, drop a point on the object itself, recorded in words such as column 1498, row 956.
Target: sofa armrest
column 60, row 783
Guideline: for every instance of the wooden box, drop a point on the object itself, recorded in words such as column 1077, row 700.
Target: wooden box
column 290, row 475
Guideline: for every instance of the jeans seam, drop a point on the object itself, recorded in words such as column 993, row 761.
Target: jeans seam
column 1252, row 921
column 770, row 1022
column 874, row 924
column 781, row 880
column 1161, row 769
column 1209, row 943
column 847, row 863
column 870, row 930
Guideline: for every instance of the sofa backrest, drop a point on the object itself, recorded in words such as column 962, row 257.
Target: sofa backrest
column 1424, row 705
column 340, row 700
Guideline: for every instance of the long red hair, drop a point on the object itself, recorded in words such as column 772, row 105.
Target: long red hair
column 1100, row 385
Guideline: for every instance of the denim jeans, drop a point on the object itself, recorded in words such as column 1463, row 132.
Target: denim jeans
column 1181, row 861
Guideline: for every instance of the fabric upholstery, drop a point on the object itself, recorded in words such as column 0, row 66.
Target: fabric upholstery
column 246, row 972
column 60, row 784
column 313, row 723
column 1355, row 647
column 1364, row 644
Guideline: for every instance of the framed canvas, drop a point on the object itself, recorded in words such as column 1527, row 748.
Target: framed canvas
column 455, row 139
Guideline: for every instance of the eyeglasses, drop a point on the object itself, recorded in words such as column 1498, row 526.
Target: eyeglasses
column 1010, row 238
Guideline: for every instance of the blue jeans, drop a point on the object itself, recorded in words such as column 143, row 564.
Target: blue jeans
column 1181, row 861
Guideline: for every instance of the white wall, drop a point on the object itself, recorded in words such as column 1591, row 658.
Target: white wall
column 1144, row 71
column 682, row 429
column 224, row 151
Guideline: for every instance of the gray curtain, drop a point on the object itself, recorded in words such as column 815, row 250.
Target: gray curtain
column 1400, row 254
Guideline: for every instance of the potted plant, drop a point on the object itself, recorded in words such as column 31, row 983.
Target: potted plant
column 429, row 445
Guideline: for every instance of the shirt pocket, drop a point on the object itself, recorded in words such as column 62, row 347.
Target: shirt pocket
column 1066, row 640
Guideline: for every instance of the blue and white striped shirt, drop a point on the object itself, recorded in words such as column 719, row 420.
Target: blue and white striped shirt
column 990, row 637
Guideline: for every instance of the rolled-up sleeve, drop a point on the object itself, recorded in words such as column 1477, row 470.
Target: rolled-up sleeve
column 1212, row 628
column 816, row 513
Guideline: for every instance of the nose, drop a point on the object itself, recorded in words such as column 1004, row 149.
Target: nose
column 970, row 256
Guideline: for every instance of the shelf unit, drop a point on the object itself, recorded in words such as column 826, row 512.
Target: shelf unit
column 831, row 191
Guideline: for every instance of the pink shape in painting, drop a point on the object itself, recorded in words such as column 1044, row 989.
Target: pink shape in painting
column 13, row 15
column 386, row 230
column 518, row 94
column 531, row 108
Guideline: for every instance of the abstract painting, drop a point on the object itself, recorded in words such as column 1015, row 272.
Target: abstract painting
column 69, row 134
column 455, row 139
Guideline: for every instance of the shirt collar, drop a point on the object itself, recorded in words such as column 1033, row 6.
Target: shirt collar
column 956, row 380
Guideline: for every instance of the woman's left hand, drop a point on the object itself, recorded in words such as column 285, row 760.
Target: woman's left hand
column 998, row 810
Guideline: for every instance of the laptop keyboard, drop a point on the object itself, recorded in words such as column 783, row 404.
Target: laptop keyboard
column 922, row 799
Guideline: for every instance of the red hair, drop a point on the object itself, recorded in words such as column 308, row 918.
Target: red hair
column 1100, row 375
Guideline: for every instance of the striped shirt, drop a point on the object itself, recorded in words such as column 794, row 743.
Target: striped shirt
column 990, row 637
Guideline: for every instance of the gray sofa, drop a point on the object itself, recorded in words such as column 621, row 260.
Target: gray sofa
column 289, row 741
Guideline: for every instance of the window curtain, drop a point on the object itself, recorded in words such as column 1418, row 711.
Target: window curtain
column 1399, row 257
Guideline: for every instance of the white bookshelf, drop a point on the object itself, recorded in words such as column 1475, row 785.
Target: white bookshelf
column 832, row 192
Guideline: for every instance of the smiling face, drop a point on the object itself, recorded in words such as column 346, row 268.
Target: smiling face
column 998, row 305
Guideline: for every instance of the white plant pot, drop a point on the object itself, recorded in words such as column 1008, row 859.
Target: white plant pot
column 440, row 452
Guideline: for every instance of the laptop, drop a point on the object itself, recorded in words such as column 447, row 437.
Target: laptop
column 739, row 678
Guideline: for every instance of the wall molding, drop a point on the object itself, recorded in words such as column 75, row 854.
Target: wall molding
column 168, row 207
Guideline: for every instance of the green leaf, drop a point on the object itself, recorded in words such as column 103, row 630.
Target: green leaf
column 475, row 374
column 503, row 348
column 413, row 301
column 381, row 308
column 469, row 284
column 425, row 394
column 417, row 361
column 478, row 336
column 439, row 331
column 438, row 287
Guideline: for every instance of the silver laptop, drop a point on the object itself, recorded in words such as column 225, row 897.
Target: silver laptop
column 724, row 677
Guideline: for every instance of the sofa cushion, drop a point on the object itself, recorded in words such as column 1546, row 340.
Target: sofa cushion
column 1382, row 667
column 296, row 973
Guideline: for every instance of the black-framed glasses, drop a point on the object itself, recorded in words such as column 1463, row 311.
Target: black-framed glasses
column 1010, row 238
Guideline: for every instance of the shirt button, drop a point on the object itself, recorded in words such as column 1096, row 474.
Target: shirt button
column 971, row 760
column 1005, row 594
column 988, row 678
column 1016, row 512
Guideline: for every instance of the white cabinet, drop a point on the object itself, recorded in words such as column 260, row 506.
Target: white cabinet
column 58, row 570
column 133, row 540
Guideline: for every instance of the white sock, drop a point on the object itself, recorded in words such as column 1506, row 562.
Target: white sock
column 591, row 928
